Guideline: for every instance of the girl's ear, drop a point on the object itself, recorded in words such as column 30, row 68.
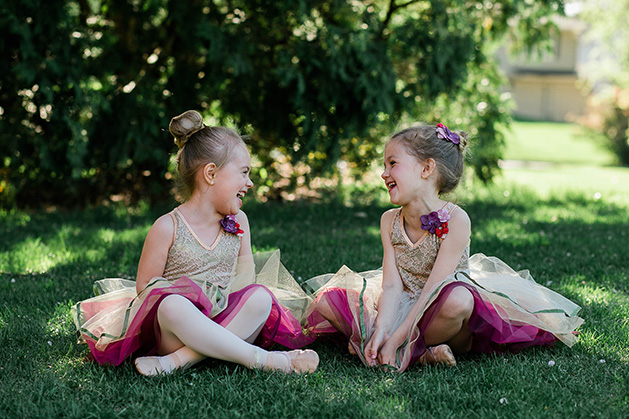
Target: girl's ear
column 428, row 167
column 209, row 173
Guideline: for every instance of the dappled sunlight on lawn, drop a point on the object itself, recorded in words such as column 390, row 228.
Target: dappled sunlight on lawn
column 60, row 323
column 67, row 243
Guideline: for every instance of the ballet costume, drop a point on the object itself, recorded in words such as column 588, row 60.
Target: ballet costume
column 511, row 311
column 119, row 323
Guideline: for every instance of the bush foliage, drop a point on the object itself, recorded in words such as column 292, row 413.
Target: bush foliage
column 609, row 107
column 87, row 87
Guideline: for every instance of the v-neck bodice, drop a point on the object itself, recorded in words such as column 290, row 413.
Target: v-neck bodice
column 189, row 256
column 416, row 260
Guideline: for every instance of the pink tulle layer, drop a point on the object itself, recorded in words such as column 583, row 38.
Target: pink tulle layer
column 491, row 333
column 143, row 334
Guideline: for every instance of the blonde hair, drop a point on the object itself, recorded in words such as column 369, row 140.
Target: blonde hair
column 199, row 145
column 423, row 143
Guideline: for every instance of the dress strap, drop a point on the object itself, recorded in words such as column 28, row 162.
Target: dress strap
column 450, row 207
column 395, row 219
column 175, row 225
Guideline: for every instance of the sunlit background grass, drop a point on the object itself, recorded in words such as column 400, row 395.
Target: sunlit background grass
column 553, row 158
column 559, row 209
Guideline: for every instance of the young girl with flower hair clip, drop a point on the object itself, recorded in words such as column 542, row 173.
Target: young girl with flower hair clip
column 197, row 293
column 431, row 300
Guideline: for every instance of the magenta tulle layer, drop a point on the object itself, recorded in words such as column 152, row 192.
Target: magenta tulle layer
column 491, row 333
column 143, row 335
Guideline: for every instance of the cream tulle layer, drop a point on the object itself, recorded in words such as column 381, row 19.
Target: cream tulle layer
column 522, row 299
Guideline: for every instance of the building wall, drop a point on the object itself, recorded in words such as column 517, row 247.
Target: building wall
column 547, row 97
column 548, row 87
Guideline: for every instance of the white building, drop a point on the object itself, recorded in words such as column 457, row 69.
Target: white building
column 552, row 88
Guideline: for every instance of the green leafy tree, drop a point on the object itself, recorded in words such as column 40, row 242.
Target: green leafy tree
column 89, row 85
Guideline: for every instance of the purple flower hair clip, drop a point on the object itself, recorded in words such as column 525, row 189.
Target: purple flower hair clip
column 230, row 225
column 436, row 223
column 445, row 134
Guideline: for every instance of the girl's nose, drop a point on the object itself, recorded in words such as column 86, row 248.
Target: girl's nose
column 249, row 183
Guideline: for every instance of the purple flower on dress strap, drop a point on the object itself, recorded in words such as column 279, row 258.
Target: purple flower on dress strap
column 445, row 134
column 436, row 223
column 430, row 222
column 230, row 225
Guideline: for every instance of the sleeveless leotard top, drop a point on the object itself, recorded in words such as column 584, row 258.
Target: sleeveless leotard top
column 416, row 260
column 204, row 264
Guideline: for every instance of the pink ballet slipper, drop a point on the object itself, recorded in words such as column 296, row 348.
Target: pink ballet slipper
column 441, row 354
column 299, row 361
column 351, row 349
column 157, row 365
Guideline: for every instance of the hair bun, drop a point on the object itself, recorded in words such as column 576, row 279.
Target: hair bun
column 184, row 125
column 463, row 141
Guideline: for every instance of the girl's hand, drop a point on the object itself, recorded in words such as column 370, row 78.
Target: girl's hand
column 392, row 289
column 387, row 355
column 373, row 347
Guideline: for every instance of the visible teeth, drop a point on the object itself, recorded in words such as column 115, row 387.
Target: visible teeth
column 240, row 194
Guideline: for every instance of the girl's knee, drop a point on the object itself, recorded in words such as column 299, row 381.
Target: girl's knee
column 459, row 303
column 324, row 310
column 260, row 302
column 172, row 306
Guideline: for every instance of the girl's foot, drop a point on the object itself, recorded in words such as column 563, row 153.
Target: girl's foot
column 441, row 354
column 157, row 365
column 350, row 348
column 299, row 361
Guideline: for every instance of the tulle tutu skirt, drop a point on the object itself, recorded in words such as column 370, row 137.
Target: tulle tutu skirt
column 511, row 311
column 118, row 323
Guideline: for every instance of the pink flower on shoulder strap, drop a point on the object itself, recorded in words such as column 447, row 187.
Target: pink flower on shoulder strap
column 436, row 223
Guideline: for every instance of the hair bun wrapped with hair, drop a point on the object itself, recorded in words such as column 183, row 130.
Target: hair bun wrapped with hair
column 183, row 126
column 463, row 140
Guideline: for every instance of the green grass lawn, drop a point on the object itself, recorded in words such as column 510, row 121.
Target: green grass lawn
column 551, row 158
column 554, row 142
column 575, row 244
column 570, row 240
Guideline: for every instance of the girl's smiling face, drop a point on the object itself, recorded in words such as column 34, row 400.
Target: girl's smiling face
column 402, row 174
column 232, row 182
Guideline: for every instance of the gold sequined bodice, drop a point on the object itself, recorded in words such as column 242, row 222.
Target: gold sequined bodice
column 204, row 264
column 415, row 261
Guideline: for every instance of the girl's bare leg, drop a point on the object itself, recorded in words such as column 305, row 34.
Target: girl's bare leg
column 450, row 324
column 326, row 312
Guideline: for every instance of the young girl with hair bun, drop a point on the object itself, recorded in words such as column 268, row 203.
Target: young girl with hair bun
column 197, row 292
column 431, row 300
